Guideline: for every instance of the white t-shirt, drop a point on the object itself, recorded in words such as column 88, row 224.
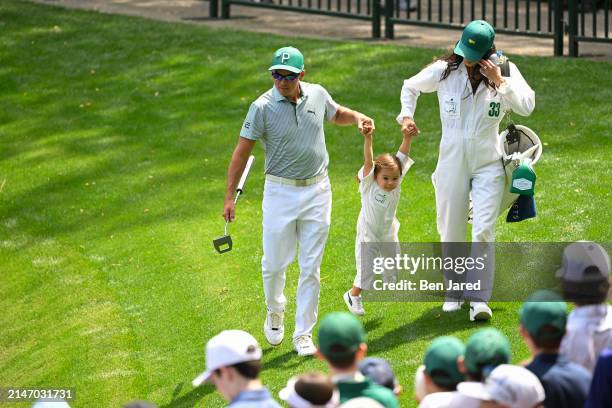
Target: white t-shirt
column 377, row 221
column 589, row 332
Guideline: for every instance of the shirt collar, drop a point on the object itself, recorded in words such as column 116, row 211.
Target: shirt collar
column 252, row 395
column 599, row 317
column 550, row 358
column 356, row 376
column 585, row 312
column 279, row 98
column 277, row 95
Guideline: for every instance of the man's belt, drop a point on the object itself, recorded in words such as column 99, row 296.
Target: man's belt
column 296, row 183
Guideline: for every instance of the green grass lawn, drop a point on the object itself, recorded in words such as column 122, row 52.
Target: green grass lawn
column 115, row 135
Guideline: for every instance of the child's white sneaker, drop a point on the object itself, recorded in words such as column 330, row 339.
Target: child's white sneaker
column 274, row 329
column 354, row 303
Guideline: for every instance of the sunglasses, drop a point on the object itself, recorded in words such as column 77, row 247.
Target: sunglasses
column 288, row 77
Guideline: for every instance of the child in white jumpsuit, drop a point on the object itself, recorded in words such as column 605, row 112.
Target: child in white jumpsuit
column 473, row 98
column 380, row 187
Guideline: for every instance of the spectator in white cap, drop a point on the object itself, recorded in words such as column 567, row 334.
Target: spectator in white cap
column 311, row 390
column 507, row 386
column 585, row 279
column 233, row 363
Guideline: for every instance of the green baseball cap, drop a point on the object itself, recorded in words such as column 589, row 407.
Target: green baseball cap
column 486, row 347
column 476, row 40
column 441, row 360
column 544, row 308
column 288, row 58
column 340, row 334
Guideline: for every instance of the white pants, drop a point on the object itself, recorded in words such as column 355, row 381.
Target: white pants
column 295, row 216
column 453, row 182
column 366, row 253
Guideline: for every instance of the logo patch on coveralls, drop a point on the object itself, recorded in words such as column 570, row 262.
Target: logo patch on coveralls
column 450, row 106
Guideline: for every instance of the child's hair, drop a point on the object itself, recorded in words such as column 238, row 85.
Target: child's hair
column 387, row 161
column 316, row 388
column 586, row 293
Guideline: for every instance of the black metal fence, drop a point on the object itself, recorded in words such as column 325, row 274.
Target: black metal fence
column 369, row 10
column 519, row 17
column 588, row 21
column 581, row 20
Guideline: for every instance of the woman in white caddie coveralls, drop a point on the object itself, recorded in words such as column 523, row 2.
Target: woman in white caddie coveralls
column 473, row 98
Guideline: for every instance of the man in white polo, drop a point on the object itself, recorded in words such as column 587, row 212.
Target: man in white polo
column 289, row 120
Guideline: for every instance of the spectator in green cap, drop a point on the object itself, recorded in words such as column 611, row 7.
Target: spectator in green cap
column 484, row 350
column 289, row 120
column 441, row 371
column 342, row 344
column 474, row 95
column 543, row 318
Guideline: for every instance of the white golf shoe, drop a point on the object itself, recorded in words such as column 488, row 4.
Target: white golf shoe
column 354, row 303
column 452, row 305
column 480, row 311
column 304, row 345
column 274, row 329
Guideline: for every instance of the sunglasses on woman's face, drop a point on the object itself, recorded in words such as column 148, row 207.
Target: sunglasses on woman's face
column 288, row 77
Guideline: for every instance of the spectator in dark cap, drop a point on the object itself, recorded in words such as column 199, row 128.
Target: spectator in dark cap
column 543, row 317
column 379, row 370
column 441, row 371
column 342, row 344
column 585, row 279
